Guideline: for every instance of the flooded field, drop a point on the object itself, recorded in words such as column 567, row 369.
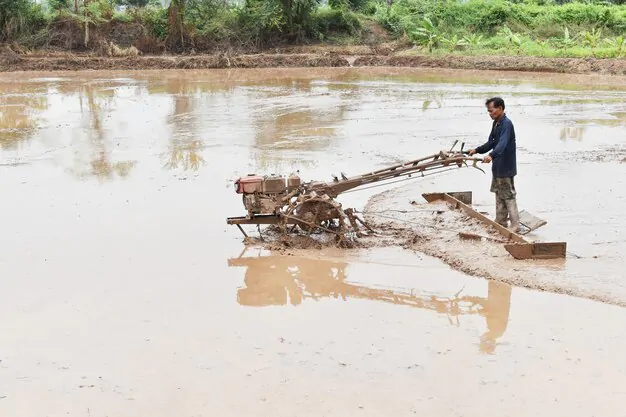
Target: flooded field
column 123, row 292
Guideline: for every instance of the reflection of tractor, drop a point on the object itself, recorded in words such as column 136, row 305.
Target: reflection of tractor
column 281, row 280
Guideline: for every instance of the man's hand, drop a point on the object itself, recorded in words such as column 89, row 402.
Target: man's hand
column 487, row 159
column 471, row 152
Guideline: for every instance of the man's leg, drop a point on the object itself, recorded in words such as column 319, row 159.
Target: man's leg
column 502, row 212
column 506, row 189
column 499, row 189
column 511, row 205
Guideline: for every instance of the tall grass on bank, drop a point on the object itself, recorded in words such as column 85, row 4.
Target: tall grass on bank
column 520, row 27
column 184, row 25
column 505, row 28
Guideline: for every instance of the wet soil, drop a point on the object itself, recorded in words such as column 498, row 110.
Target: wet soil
column 468, row 246
column 383, row 55
column 123, row 291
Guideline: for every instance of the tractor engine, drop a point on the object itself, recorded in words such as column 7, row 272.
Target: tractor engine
column 264, row 194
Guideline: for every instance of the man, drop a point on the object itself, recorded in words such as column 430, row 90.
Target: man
column 501, row 143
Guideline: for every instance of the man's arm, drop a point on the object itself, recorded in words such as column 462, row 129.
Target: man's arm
column 505, row 139
column 484, row 148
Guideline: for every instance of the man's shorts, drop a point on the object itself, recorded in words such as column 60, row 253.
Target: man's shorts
column 503, row 187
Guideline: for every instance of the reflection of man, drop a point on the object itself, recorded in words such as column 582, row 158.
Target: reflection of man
column 502, row 145
column 497, row 308
column 283, row 280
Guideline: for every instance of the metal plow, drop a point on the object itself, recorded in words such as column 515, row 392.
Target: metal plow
column 312, row 207
column 295, row 207
column 519, row 246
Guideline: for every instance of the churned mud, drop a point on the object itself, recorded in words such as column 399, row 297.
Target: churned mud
column 382, row 56
column 473, row 248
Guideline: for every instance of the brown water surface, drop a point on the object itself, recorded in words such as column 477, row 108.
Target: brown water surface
column 124, row 293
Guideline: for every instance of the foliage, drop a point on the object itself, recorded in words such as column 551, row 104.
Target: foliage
column 133, row 3
column 534, row 27
column 19, row 16
column 531, row 27
column 59, row 5
column 356, row 5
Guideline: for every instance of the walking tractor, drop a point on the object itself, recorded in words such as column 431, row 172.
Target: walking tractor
column 311, row 206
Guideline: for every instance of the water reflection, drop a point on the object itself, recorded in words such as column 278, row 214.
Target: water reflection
column 616, row 119
column 19, row 114
column 95, row 105
column 282, row 280
column 185, row 148
column 574, row 133
column 303, row 119
column 433, row 98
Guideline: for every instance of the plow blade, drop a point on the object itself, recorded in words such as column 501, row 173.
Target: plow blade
column 520, row 247
column 538, row 250
column 530, row 222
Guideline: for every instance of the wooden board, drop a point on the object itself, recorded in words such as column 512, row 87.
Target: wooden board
column 430, row 197
column 484, row 219
column 530, row 221
column 520, row 248
column 539, row 250
column 462, row 196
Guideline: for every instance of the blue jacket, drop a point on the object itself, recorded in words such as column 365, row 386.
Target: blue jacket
column 501, row 143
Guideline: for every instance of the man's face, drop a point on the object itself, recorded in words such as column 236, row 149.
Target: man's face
column 494, row 112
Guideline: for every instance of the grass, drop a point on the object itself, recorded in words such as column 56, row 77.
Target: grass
column 537, row 28
column 498, row 27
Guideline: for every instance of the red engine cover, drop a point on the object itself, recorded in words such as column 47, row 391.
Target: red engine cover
column 248, row 185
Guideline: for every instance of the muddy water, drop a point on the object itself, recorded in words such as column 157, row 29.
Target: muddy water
column 123, row 292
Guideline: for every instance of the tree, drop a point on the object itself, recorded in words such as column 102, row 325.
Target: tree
column 13, row 17
column 176, row 20
column 59, row 5
column 133, row 3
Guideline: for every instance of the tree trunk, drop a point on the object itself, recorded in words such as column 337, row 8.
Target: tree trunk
column 175, row 21
column 86, row 34
column 85, row 2
column 288, row 10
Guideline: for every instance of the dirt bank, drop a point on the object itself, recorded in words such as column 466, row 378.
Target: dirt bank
column 502, row 63
column 11, row 61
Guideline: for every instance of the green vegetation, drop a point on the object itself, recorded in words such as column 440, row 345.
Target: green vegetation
column 526, row 27
column 537, row 28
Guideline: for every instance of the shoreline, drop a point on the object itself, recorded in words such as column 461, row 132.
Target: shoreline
column 73, row 63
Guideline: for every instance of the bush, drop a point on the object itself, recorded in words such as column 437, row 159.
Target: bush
column 488, row 16
column 19, row 17
column 329, row 21
column 155, row 20
column 536, row 27
column 356, row 5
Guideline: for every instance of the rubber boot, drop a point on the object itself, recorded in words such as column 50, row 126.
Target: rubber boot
column 502, row 212
column 511, row 206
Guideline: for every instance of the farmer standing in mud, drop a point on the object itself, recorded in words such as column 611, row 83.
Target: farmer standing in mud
column 501, row 143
